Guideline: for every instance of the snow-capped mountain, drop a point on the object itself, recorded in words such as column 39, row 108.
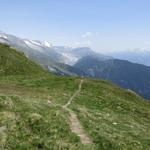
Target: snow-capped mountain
column 57, row 59
column 37, row 44
column 72, row 55
column 35, row 47
column 15, row 41
column 41, row 49
column 32, row 48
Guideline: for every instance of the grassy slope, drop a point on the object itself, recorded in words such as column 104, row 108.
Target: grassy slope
column 30, row 119
column 113, row 117
column 31, row 116
column 15, row 63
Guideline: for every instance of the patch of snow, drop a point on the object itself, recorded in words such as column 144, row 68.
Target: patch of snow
column 69, row 58
column 36, row 43
column 33, row 45
column 4, row 37
column 47, row 44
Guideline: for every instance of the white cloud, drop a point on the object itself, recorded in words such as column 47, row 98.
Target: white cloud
column 87, row 34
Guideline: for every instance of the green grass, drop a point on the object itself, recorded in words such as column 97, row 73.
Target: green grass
column 32, row 117
column 15, row 63
column 31, row 121
column 114, row 118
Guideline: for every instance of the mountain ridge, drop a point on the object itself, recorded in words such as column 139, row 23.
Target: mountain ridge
column 128, row 75
column 52, row 57
column 55, row 59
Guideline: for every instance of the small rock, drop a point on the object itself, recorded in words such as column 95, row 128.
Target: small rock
column 114, row 123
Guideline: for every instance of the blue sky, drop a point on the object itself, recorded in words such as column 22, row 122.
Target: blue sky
column 104, row 25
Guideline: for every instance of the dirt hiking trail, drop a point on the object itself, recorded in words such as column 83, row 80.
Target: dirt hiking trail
column 75, row 125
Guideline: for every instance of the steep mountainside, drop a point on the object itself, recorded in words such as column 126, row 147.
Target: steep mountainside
column 50, row 112
column 127, row 75
column 13, row 62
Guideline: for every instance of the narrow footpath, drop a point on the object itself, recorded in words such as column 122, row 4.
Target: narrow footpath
column 75, row 125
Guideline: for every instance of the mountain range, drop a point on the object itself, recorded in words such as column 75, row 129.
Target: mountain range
column 138, row 55
column 83, row 61
column 121, row 72
column 57, row 59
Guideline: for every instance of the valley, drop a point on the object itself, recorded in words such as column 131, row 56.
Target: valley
column 84, row 62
